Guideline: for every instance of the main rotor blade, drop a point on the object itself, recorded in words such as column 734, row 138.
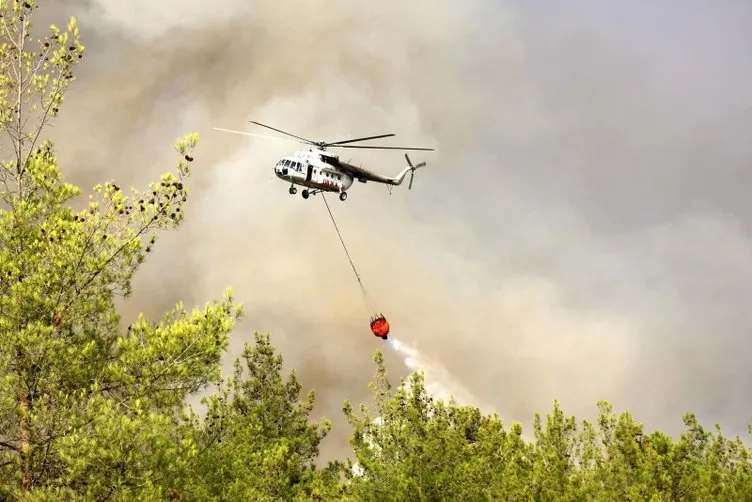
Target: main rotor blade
column 385, row 147
column 256, row 135
column 359, row 139
column 281, row 131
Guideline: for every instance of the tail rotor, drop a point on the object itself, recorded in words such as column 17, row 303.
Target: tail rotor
column 412, row 170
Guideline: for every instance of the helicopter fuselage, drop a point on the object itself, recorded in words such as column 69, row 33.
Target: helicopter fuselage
column 320, row 171
column 314, row 169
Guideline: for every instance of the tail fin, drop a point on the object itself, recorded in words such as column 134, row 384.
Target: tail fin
column 412, row 170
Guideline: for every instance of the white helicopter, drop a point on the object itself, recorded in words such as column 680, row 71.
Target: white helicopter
column 320, row 171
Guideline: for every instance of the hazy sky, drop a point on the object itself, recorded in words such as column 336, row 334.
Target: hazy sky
column 582, row 232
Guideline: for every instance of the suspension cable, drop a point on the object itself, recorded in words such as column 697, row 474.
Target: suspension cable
column 366, row 298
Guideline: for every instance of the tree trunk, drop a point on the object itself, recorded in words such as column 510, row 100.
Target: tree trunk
column 24, row 429
column 25, row 436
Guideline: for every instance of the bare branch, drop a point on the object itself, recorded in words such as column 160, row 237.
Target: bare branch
column 9, row 446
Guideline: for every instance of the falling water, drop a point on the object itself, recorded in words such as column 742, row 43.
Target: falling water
column 440, row 383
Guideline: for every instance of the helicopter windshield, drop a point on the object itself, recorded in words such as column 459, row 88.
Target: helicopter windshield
column 291, row 164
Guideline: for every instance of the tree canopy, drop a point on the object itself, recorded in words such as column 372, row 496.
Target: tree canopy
column 93, row 406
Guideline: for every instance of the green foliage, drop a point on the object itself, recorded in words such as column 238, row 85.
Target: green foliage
column 86, row 406
column 257, row 438
column 421, row 449
column 34, row 76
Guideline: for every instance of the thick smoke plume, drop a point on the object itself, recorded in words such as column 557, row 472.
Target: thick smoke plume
column 582, row 232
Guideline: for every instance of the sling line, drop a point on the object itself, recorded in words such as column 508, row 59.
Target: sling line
column 357, row 276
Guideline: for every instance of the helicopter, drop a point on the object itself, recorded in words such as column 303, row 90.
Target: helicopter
column 317, row 170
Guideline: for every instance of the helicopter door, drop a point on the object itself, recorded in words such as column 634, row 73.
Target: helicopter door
column 309, row 171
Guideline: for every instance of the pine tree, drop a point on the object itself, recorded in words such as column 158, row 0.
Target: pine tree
column 87, row 406
column 259, row 441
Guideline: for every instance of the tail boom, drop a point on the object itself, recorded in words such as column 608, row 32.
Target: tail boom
column 411, row 168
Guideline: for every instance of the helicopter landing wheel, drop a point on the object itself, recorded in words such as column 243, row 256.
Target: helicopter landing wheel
column 305, row 194
column 293, row 190
column 343, row 196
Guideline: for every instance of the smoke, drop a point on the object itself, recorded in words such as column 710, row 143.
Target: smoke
column 439, row 382
column 582, row 232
